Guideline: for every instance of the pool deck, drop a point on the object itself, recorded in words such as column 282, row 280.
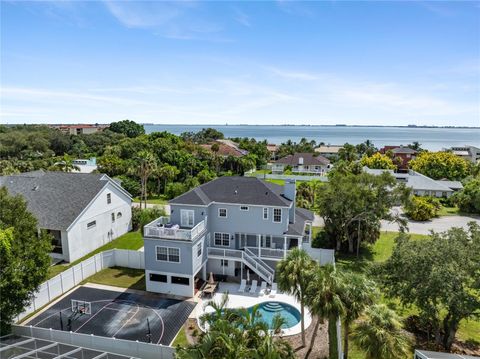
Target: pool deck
column 245, row 300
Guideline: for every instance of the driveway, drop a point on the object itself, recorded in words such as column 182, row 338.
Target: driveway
column 437, row 224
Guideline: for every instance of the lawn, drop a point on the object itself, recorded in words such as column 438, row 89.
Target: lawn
column 379, row 252
column 119, row 277
column 160, row 200
column 449, row 211
column 277, row 181
column 181, row 338
column 130, row 240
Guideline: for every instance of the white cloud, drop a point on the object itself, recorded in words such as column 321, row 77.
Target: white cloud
column 242, row 18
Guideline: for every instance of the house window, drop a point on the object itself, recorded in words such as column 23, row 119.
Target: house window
column 222, row 239
column 174, row 255
column 91, row 224
column 187, row 217
column 180, row 280
column 243, row 208
column 199, row 249
column 223, row 263
column 158, row 278
column 265, row 213
column 222, row 212
column 162, row 254
column 277, row 215
column 113, row 217
column 109, row 198
column 119, row 215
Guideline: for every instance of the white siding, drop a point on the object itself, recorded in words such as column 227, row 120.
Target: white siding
column 82, row 241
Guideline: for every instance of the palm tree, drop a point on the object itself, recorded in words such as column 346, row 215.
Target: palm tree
column 293, row 277
column 380, row 334
column 358, row 294
column 145, row 168
column 66, row 164
column 324, row 299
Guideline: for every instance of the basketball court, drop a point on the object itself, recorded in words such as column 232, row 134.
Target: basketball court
column 147, row 318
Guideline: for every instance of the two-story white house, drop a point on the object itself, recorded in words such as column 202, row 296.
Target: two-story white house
column 226, row 227
column 303, row 163
column 82, row 211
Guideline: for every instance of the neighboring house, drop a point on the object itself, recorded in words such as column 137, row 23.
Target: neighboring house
column 469, row 153
column 80, row 129
column 224, row 227
column 86, row 166
column 328, row 151
column 401, row 156
column 81, row 211
column 308, row 163
column 273, row 149
column 226, row 149
column 422, row 185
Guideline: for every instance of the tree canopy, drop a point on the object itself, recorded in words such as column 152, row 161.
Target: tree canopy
column 440, row 165
column 128, row 128
column 440, row 276
column 468, row 199
column 25, row 257
column 378, row 161
column 352, row 206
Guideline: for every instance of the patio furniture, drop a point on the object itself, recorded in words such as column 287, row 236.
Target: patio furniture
column 274, row 290
column 243, row 284
column 263, row 288
column 210, row 289
column 253, row 289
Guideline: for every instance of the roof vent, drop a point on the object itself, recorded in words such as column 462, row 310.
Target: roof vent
column 236, row 191
column 35, row 188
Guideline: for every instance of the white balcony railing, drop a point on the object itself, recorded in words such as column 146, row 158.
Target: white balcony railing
column 268, row 253
column 158, row 229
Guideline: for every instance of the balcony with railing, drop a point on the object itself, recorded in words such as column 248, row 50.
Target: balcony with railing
column 163, row 228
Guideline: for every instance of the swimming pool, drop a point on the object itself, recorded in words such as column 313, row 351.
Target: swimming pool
column 268, row 310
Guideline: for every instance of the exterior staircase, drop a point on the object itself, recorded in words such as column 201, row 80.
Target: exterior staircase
column 262, row 269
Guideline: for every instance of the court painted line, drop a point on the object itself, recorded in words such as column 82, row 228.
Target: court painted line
column 128, row 321
column 93, row 316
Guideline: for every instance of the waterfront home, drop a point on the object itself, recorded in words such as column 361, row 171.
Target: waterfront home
column 80, row 129
column 422, row 185
column 225, row 148
column 469, row 153
column 401, row 156
column 81, row 211
column 85, row 165
column 328, row 151
column 303, row 163
column 227, row 227
column 273, row 149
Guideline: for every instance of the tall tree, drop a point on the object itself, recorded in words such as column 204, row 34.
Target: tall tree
column 378, row 161
column 379, row 334
column 324, row 299
column 440, row 276
column 357, row 294
column 440, row 165
column 294, row 276
column 66, row 164
column 144, row 167
column 348, row 153
column 353, row 205
column 128, row 128
column 25, row 257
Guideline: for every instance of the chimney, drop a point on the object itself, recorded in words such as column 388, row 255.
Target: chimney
column 290, row 192
column 300, row 160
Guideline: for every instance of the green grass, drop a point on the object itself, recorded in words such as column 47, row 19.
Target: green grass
column 448, row 211
column 130, row 240
column 119, row 277
column 277, row 181
column 181, row 339
column 380, row 252
column 160, row 200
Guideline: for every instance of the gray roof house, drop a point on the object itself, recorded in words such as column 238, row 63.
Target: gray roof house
column 422, row 185
column 309, row 163
column 227, row 227
column 81, row 211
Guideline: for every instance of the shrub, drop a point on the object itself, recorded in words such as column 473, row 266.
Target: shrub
column 322, row 240
column 468, row 199
column 175, row 189
column 422, row 208
column 143, row 216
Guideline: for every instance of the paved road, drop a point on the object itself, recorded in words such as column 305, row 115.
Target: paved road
column 437, row 224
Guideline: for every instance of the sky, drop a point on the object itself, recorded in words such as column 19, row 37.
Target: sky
column 329, row 62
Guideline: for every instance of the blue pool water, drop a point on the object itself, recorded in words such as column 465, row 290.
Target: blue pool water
column 269, row 310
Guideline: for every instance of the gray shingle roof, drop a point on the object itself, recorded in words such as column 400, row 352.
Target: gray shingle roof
column 236, row 190
column 56, row 199
column 301, row 216
column 309, row 159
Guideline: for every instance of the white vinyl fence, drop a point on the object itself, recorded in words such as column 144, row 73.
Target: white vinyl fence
column 119, row 346
column 73, row 276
